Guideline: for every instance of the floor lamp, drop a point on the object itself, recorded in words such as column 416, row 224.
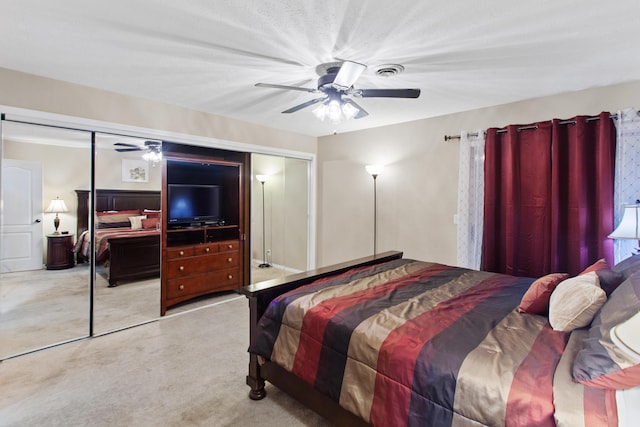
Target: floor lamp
column 265, row 264
column 374, row 171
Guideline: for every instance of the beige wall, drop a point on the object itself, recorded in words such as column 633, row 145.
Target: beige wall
column 54, row 96
column 109, row 171
column 417, row 191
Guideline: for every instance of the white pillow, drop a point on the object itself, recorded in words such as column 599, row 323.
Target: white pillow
column 136, row 221
column 575, row 301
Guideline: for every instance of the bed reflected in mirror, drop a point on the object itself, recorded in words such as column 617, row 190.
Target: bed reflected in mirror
column 44, row 295
column 128, row 181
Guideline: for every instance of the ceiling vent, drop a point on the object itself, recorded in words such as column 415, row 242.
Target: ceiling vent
column 389, row 70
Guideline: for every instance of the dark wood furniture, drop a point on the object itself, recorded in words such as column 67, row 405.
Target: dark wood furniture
column 60, row 251
column 259, row 296
column 130, row 258
column 201, row 259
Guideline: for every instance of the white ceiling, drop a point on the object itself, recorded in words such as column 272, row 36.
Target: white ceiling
column 208, row 54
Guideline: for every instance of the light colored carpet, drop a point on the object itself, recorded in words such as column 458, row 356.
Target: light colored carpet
column 44, row 307
column 184, row 370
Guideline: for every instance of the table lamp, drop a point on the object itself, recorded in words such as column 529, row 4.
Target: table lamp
column 57, row 206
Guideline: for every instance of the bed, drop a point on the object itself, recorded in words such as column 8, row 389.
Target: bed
column 124, row 251
column 385, row 340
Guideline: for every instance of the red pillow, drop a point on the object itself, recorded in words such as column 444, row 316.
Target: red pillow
column 150, row 222
column 599, row 264
column 536, row 299
column 151, row 213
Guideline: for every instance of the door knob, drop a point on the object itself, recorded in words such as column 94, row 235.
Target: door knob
column 38, row 221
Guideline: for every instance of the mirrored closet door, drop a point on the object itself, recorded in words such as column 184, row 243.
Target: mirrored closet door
column 44, row 295
column 128, row 182
column 279, row 216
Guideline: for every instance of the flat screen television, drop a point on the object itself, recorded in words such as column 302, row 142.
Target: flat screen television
column 193, row 204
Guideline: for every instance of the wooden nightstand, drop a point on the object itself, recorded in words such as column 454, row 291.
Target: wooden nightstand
column 59, row 251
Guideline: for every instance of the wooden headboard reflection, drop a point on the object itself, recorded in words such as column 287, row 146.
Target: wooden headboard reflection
column 114, row 200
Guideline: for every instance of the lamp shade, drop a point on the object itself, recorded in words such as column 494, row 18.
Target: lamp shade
column 626, row 336
column 374, row 170
column 629, row 226
column 57, row 206
column 262, row 178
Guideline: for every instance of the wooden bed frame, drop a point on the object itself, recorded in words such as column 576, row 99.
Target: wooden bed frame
column 130, row 258
column 260, row 295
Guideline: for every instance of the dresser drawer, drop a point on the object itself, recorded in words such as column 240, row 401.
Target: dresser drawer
column 206, row 249
column 230, row 245
column 203, row 283
column 226, row 260
column 181, row 252
column 201, row 264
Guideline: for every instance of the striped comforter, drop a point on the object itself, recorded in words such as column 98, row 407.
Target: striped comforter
column 417, row 343
column 83, row 245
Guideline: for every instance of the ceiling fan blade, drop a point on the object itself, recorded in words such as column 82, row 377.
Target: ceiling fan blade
column 125, row 150
column 387, row 93
column 303, row 89
column 348, row 74
column 123, row 144
column 304, row 105
column 361, row 111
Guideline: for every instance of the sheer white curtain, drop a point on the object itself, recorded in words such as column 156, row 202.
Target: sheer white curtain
column 627, row 174
column 470, row 199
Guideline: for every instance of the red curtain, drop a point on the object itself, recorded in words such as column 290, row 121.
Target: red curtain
column 549, row 196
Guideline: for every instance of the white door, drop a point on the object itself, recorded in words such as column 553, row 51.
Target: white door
column 21, row 232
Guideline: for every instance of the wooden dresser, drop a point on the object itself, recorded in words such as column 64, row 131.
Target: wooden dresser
column 202, row 256
column 202, row 268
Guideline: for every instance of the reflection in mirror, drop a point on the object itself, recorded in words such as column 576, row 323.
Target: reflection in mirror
column 279, row 216
column 44, row 295
column 128, row 182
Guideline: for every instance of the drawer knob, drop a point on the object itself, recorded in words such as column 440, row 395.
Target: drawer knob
column 229, row 259
column 181, row 268
column 230, row 246
column 181, row 287
column 207, row 250
column 181, row 253
column 230, row 276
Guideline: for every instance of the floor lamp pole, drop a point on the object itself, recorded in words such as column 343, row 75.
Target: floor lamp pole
column 374, row 171
column 375, row 214
column 264, row 264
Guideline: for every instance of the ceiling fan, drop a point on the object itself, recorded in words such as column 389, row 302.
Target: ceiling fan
column 152, row 149
column 335, row 85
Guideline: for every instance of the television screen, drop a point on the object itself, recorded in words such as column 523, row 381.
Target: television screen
column 190, row 203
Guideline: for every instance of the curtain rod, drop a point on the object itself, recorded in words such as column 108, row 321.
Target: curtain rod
column 503, row 130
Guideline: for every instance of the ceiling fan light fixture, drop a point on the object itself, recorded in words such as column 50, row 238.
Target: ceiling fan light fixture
column 336, row 111
column 349, row 110
column 152, row 156
column 320, row 112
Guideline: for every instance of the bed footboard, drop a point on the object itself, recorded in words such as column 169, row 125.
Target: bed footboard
column 133, row 258
column 259, row 296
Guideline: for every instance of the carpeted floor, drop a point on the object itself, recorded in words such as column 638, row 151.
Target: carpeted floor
column 185, row 370
column 44, row 307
